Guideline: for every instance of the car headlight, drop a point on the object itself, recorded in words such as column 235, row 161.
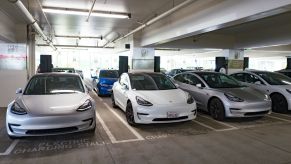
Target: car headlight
column 142, row 102
column 233, row 98
column 288, row 90
column 16, row 109
column 190, row 99
column 86, row 106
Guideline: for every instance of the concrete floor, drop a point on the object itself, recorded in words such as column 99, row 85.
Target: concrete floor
column 261, row 140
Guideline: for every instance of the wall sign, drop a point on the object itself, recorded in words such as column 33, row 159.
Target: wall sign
column 12, row 56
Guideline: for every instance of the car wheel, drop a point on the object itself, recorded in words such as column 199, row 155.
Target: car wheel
column 279, row 103
column 129, row 114
column 98, row 92
column 216, row 109
column 113, row 101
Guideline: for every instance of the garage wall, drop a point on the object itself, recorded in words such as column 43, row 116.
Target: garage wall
column 10, row 81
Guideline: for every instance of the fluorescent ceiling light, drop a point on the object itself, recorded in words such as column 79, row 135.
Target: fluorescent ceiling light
column 81, row 12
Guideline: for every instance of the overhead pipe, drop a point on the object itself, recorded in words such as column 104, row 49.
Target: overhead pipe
column 80, row 37
column 90, row 11
column 163, row 15
column 32, row 21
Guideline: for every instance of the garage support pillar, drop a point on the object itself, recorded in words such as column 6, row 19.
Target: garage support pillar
column 234, row 60
column 142, row 58
column 30, row 52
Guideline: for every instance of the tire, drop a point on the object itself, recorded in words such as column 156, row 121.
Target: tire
column 113, row 101
column 129, row 114
column 216, row 109
column 279, row 103
column 98, row 93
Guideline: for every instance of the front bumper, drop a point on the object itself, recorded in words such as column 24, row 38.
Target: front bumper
column 26, row 125
column 105, row 90
column 159, row 113
column 245, row 109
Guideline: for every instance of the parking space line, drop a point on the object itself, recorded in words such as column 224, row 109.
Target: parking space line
column 138, row 136
column 10, row 148
column 282, row 119
column 280, row 114
column 204, row 125
column 223, row 123
column 105, row 127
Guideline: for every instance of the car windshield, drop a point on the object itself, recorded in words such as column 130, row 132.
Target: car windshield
column 218, row 80
column 274, row 78
column 109, row 74
column 56, row 84
column 151, row 82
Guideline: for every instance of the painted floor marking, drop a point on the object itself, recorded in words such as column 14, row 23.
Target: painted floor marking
column 138, row 136
column 282, row 119
column 204, row 125
column 10, row 148
column 280, row 114
column 223, row 123
column 105, row 127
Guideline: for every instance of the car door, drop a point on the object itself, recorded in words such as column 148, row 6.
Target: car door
column 121, row 90
column 197, row 89
column 180, row 80
column 255, row 82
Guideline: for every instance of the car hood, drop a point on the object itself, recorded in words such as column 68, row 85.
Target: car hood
column 47, row 105
column 245, row 93
column 163, row 97
column 109, row 81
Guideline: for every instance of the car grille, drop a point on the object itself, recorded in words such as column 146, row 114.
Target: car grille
column 170, row 119
column 256, row 113
column 52, row 131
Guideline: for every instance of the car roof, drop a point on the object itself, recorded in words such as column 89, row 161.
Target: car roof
column 56, row 74
column 145, row 73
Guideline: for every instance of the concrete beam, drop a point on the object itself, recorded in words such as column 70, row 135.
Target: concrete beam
column 209, row 15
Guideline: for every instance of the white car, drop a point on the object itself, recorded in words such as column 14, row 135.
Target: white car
column 152, row 98
column 276, row 85
column 50, row 104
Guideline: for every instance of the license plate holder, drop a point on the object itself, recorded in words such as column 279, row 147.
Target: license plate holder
column 172, row 114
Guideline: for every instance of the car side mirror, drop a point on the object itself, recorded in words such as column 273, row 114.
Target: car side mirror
column 177, row 85
column 258, row 83
column 199, row 86
column 19, row 91
column 124, row 87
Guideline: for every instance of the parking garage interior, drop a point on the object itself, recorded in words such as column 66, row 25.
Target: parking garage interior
column 155, row 38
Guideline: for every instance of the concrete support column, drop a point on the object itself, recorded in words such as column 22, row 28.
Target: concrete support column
column 235, row 60
column 141, row 58
column 30, row 52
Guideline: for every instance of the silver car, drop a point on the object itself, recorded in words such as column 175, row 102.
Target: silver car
column 223, row 96
column 276, row 85
column 51, row 103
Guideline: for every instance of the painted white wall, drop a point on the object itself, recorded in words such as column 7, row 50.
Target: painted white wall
column 10, row 81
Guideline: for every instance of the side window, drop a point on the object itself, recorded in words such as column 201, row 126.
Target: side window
column 193, row 80
column 239, row 77
column 179, row 78
column 252, row 79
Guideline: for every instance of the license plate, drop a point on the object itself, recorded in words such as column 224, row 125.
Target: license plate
column 109, row 90
column 172, row 114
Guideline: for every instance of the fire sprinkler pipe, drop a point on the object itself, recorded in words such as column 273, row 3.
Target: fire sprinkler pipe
column 32, row 21
column 163, row 15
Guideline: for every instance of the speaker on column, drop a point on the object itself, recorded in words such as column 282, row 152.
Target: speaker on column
column 220, row 63
column 157, row 67
column 45, row 63
column 123, row 64
column 246, row 62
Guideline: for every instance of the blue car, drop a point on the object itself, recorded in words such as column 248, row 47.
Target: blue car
column 104, row 81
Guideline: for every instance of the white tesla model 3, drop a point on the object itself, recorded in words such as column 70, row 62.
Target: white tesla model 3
column 51, row 103
column 152, row 98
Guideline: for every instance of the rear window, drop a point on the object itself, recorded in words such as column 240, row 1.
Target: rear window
column 47, row 85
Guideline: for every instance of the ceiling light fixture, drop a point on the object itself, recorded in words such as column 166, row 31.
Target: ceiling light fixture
column 67, row 11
